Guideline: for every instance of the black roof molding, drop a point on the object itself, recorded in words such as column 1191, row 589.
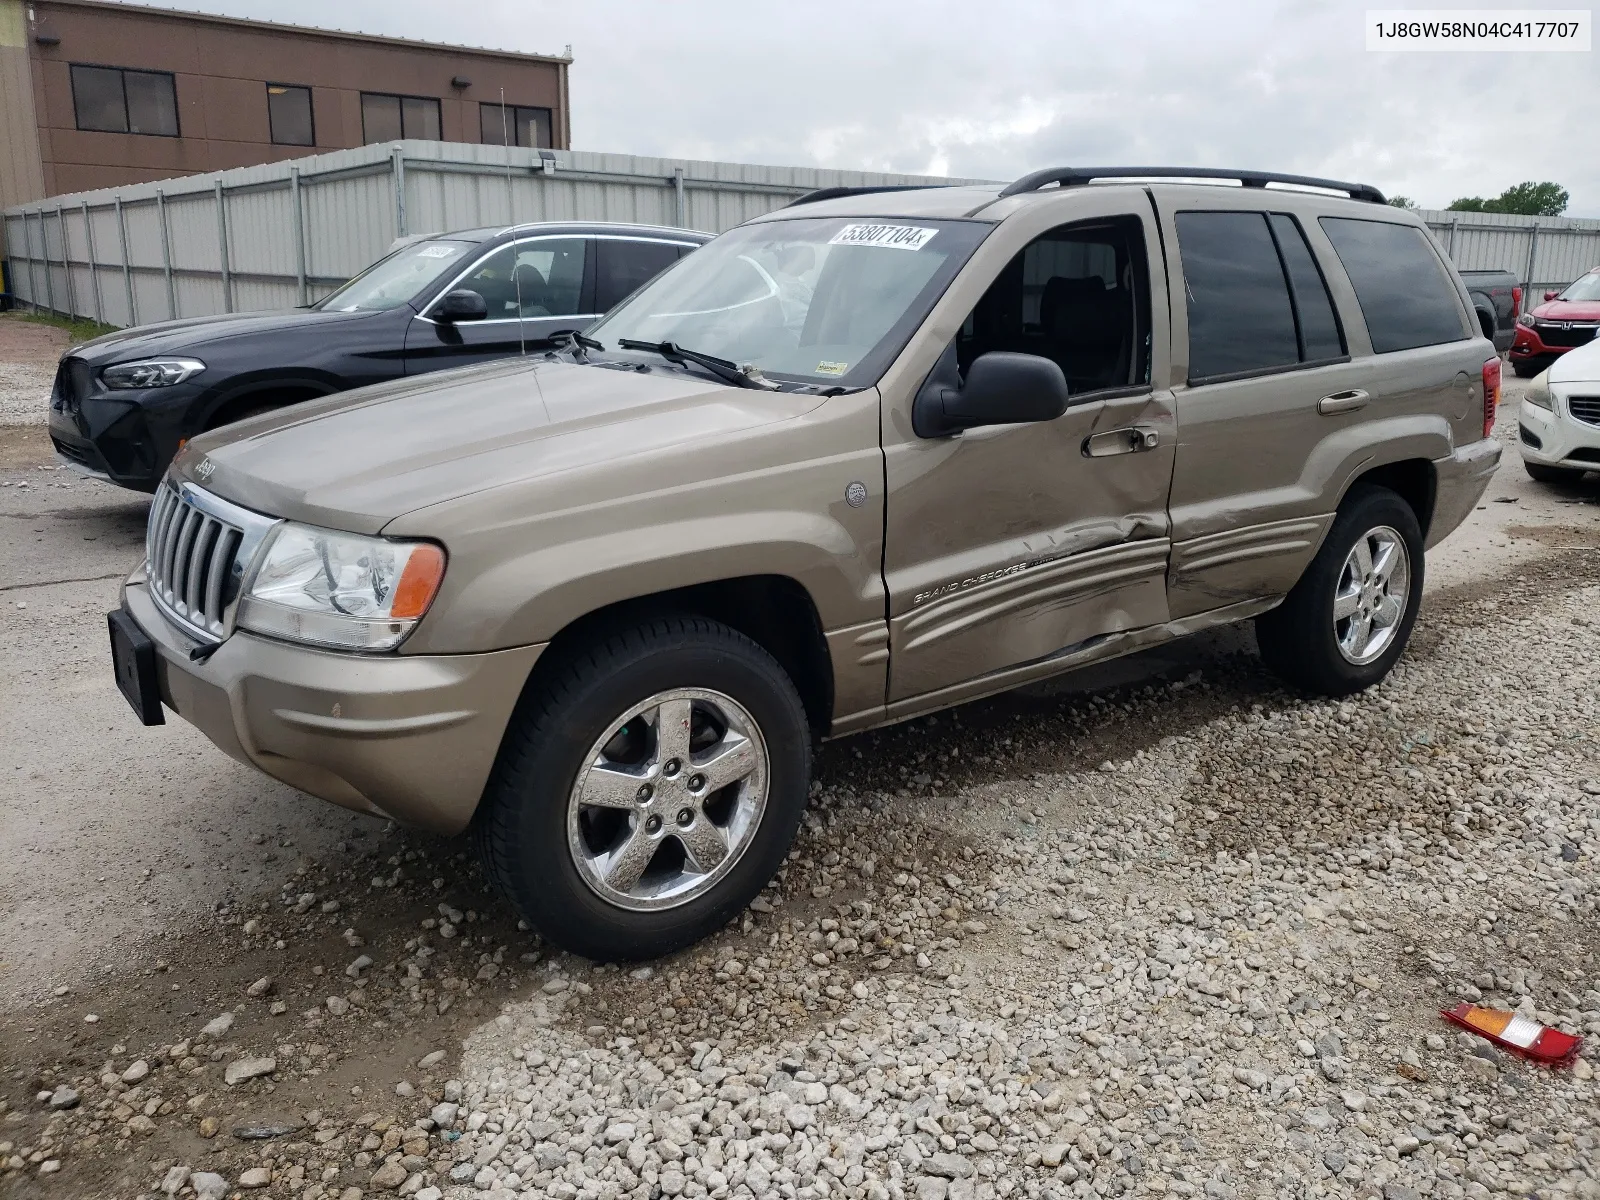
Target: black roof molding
column 1073, row 176
column 833, row 193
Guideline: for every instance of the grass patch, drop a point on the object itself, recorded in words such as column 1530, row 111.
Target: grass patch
column 79, row 329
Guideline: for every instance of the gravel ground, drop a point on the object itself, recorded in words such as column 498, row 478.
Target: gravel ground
column 28, row 356
column 1211, row 966
column 1185, row 936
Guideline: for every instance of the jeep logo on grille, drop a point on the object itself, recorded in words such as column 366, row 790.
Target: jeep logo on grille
column 203, row 471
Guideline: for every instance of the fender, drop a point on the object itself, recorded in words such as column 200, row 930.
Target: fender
column 550, row 587
column 319, row 383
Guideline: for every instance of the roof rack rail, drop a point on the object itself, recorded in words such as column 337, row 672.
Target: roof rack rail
column 1072, row 176
column 833, row 193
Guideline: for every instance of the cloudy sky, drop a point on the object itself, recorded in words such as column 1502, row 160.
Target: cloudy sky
column 997, row 88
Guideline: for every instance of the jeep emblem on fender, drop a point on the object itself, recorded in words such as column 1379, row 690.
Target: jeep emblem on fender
column 856, row 494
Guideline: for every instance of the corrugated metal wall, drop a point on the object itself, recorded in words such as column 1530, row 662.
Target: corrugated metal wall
column 1543, row 252
column 282, row 234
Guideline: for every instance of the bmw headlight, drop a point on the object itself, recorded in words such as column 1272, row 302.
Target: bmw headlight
column 151, row 373
column 341, row 589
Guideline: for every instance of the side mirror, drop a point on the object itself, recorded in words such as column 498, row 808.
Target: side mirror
column 463, row 304
column 1551, row 295
column 1002, row 388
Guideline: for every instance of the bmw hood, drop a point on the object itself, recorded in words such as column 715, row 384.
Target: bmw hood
column 192, row 335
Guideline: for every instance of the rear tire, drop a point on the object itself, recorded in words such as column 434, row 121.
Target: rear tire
column 616, row 818
column 1546, row 474
column 1306, row 644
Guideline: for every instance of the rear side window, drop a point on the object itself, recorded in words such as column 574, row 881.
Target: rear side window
column 1320, row 337
column 1406, row 297
column 623, row 267
column 1257, row 301
column 1240, row 318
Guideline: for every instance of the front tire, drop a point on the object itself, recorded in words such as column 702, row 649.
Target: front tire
column 1546, row 474
column 1528, row 368
column 647, row 789
column 1346, row 622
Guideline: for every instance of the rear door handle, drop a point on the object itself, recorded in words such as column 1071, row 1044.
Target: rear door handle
column 1126, row 440
column 1341, row 402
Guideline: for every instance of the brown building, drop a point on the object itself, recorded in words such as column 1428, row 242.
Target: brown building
column 95, row 94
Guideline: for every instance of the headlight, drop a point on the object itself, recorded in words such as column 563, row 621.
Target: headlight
column 151, row 373
column 1537, row 393
column 341, row 589
column 1526, row 319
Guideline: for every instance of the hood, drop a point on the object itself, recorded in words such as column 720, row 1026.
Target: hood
column 1577, row 366
column 359, row 459
column 1568, row 310
column 193, row 334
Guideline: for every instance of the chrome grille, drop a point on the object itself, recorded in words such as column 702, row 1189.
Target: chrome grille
column 1585, row 408
column 191, row 555
column 1565, row 333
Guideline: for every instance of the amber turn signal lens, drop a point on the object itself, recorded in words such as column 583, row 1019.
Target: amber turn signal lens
column 418, row 582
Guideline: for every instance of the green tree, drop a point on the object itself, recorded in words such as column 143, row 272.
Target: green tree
column 1534, row 199
column 1525, row 199
column 1402, row 202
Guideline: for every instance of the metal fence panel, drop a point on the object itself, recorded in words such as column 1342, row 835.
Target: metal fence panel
column 236, row 240
column 1544, row 253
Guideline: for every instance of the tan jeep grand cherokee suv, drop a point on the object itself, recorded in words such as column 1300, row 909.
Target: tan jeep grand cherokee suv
column 877, row 453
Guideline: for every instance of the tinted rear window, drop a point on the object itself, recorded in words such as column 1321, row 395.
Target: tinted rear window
column 621, row 267
column 1240, row 318
column 1319, row 327
column 1406, row 297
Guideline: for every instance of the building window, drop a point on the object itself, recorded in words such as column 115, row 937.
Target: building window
column 386, row 118
column 289, row 115
column 112, row 100
column 515, row 125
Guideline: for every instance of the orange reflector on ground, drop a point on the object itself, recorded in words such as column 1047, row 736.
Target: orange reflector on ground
column 1516, row 1033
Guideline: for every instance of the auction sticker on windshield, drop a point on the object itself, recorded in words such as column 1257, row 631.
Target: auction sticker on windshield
column 438, row 252
column 892, row 237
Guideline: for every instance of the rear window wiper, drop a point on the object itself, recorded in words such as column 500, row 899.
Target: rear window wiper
column 748, row 376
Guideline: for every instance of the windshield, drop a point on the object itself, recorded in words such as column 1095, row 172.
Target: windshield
column 1586, row 287
column 391, row 281
column 824, row 300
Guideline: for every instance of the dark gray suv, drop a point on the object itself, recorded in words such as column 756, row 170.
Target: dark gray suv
column 123, row 403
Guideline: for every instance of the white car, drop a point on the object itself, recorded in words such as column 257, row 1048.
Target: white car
column 1560, row 420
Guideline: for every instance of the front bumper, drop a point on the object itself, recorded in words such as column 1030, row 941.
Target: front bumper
column 1558, row 439
column 1461, row 481
column 1528, row 344
column 410, row 737
column 127, row 438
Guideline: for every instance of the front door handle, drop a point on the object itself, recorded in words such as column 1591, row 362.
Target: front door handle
column 1341, row 402
column 1126, row 440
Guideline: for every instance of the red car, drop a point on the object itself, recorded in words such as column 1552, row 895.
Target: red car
column 1565, row 320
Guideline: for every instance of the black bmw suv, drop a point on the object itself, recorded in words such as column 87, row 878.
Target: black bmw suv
column 122, row 404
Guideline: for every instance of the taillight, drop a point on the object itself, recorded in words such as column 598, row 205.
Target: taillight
column 1491, row 393
column 1516, row 301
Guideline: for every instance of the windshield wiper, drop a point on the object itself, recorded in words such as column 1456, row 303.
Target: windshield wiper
column 575, row 342
column 748, row 376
